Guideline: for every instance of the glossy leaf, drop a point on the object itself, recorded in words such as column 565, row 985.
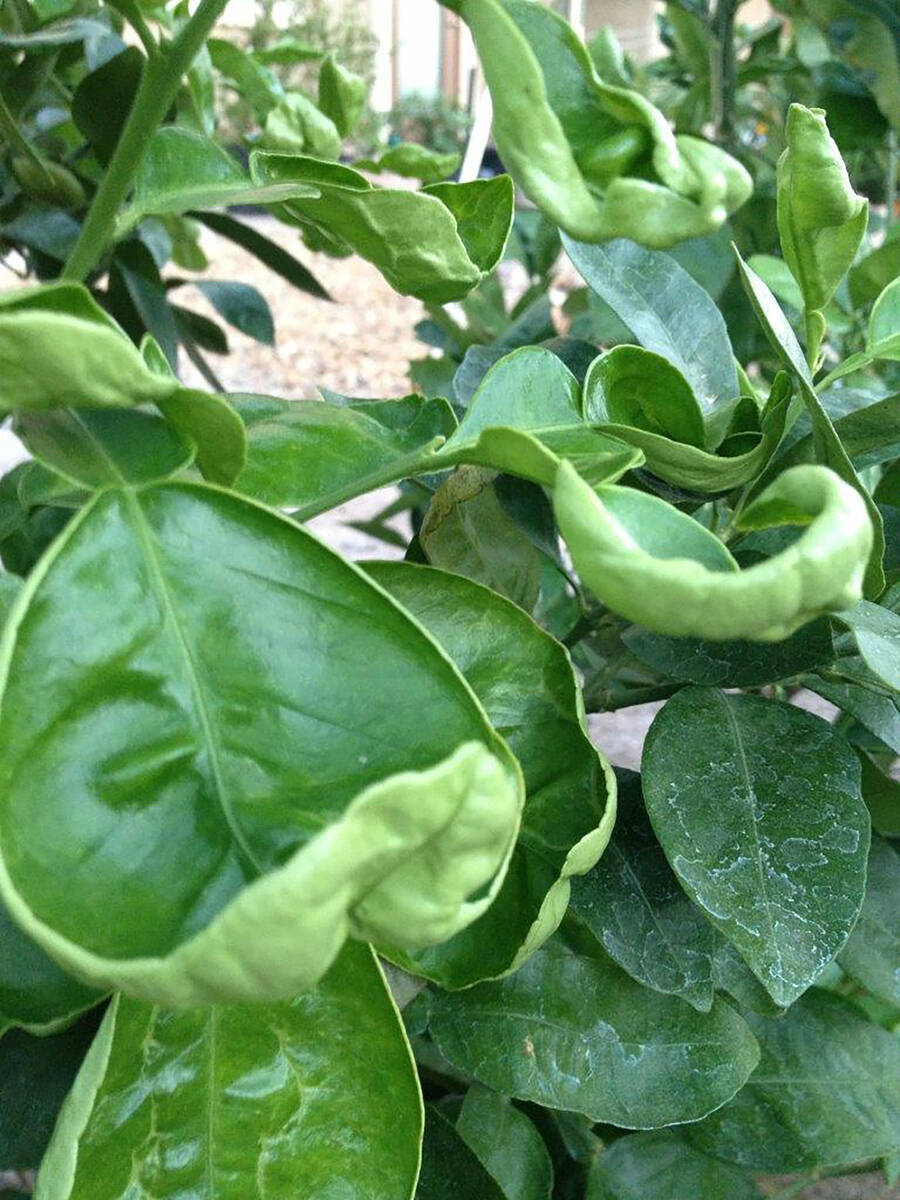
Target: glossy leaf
column 85, row 359
column 417, row 240
column 184, row 170
column 412, row 161
column 757, row 806
column 828, row 447
column 656, row 566
column 525, row 682
column 248, row 1101
column 507, row 1144
column 826, row 1091
column 311, row 455
column 576, row 1033
column 342, row 95
column 664, row 1166
column 450, row 1169
column 872, row 953
column 666, row 311
column 635, row 907
column 564, row 135
column 266, row 832
column 101, row 447
column 631, row 386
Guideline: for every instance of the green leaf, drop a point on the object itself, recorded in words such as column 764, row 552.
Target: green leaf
column 507, row 1144
column 659, row 568
column 183, row 170
column 102, row 100
column 412, row 161
column 882, row 796
column 828, row 447
column 255, row 82
column 52, row 231
column 663, row 1166
column 564, row 135
column 101, row 447
column 525, row 682
column 269, row 253
column 821, row 220
column 757, row 806
column 295, row 125
column 35, row 1075
column 883, row 335
column 34, row 992
column 531, row 391
column 874, row 711
column 467, row 531
column 450, row 1169
column 873, row 273
column 311, row 455
column 826, row 1091
column 876, row 631
column 268, row 831
column 57, row 33
column 872, row 953
column 434, row 248
column 342, row 95
column 254, row 1101
column 631, row 386
column 211, row 423
column 634, row 906
column 59, row 348
column 666, row 311
column 734, row 664
column 576, row 1033
column 241, row 305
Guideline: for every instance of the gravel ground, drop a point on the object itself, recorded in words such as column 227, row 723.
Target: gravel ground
column 361, row 346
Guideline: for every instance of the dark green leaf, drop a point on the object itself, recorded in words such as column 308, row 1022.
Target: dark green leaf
column 757, row 805
column 872, row 954
column 662, row 1166
column 576, row 1033
column 101, row 102
column 450, row 1170
column 507, row 1144
column 241, row 305
column 268, row 252
column 826, row 1091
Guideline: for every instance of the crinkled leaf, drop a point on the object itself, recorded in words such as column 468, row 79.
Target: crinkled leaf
column 872, row 953
column 255, row 1101
column 296, row 126
column 267, row 831
column 342, row 95
column 664, row 1166
column 666, row 311
column 658, row 567
column 507, row 1143
column 826, row 1091
column 525, row 682
column 576, row 1033
column 632, row 386
column 412, row 161
column 757, row 806
column 434, row 248
column 636, row 909
column 100, row 447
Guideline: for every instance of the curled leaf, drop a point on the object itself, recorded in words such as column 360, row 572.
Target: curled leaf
column 656, row 566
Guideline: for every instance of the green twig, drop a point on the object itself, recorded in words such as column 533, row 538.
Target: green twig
column 158, row 88
column 723, row 69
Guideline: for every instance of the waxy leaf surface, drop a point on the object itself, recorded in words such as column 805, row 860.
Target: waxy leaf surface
column 576, row 1033
column 201, row 809
column 757, row 805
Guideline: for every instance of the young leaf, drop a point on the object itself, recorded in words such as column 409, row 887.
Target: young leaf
column 631, row 386
column 757, row 805
column 826, row 1091
column 524, row 679
column 413, row 162
column 872, row 953
column 576, row 1033
column 268, row 831
column 507, row 1144
column 342, row 95
column 59, row 348
column 101, row 447
column 664, row 1166
column 296, row 126
column 248, row 1101
column 656, row 566
column 666, row 311
column 636, row 909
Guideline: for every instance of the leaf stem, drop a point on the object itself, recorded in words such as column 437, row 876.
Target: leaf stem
column 158, row 88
